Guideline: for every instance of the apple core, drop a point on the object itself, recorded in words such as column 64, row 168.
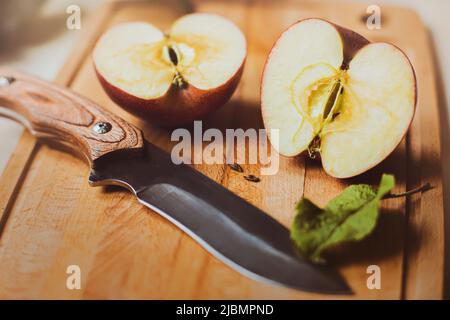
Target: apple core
column 316, row 96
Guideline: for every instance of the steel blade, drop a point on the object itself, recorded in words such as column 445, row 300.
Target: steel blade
column 230, row 228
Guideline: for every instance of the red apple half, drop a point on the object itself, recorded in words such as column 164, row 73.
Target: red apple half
column 330, row 92
column 175, row 77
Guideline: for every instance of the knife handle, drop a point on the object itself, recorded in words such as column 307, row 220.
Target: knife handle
column 51, row 111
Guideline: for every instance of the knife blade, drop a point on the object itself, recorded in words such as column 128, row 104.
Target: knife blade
column 233, row 230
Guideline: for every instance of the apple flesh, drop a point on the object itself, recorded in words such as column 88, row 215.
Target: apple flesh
column 171, row 78
column 331, row 92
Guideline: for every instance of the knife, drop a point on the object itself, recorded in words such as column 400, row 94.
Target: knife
column 230, row 228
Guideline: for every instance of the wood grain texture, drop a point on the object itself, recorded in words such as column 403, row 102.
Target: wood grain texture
column 127, row 251
column 27, row 146
column 425, row 241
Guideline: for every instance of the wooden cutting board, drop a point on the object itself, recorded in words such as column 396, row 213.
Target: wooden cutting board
column 51, row 218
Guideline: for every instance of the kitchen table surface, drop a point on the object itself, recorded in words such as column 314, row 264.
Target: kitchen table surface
column 43, row 51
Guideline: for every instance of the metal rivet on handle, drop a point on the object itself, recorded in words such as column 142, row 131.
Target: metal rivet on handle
column 102, row 127
column 5, row 81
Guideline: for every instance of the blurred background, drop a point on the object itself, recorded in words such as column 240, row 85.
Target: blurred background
column 34, row 38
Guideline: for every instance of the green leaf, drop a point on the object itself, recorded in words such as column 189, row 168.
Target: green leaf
column 351, row 216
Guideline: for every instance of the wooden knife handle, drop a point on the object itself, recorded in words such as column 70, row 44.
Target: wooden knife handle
column 51, row 111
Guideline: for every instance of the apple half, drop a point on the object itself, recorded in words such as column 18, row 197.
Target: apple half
column 174, row 77
column 331, row 92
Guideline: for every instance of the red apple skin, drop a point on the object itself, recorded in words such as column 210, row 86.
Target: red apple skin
column 352, row 43
column 177, row 106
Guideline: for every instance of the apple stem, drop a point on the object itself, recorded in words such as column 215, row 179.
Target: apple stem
column 314, row 147
column 178, row 81
column 427, row 186
column 312, row 153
